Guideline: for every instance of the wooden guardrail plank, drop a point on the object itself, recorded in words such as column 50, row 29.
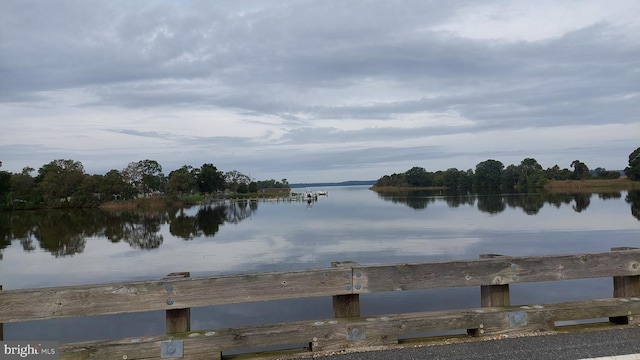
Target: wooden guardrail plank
column 148, row 348
column 45, row 303
column 135, row 348
column 579, row 310
column 330, row 331
column 495, row 271
column 166, row 294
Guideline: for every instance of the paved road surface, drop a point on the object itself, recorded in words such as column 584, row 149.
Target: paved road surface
column 614, row 344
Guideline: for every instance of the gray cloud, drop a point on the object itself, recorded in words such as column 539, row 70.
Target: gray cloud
column 298, row 68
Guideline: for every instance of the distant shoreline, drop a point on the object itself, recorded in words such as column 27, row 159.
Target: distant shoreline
column 343, row 183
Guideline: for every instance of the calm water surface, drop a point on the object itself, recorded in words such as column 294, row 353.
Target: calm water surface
column 55, row 248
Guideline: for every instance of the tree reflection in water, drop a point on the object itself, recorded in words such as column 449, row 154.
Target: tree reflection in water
column 138, row 229
column 633, row 198
column 206, row 222
column 415, row 199
column 209, row 218
column 530, row 203
column 65, row 232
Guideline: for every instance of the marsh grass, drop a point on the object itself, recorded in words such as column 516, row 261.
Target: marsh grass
column 591, row 185
column 142, row 204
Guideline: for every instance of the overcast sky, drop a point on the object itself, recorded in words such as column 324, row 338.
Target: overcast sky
column 327, row 90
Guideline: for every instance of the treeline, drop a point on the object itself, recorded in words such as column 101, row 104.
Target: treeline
column 492, row 175
column 64, row 183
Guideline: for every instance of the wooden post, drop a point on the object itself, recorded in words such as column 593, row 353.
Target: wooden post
column 625, row 287
column 345, row 306
column 178, row 320
column 491, row 295
column 354, row 334
column 494, row 295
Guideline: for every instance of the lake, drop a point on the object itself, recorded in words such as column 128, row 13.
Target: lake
column 72, row 247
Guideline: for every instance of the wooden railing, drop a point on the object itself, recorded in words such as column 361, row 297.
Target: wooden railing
column 344, row 281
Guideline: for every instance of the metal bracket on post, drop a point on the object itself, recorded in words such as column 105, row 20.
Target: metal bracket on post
column 171, row 349
column 356, row 332
column 517, row 318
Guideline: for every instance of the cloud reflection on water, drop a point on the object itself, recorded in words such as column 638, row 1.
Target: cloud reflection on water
column 353, row 223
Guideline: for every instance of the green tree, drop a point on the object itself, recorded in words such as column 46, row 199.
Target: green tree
column 209, row 179
column 456, row 179
column 242, row 188
column 181, row 181
column 113, row 186
column 23, row 186
column 58, row 180
column 418, row 177
column 234, row 178
column 88, row 192
column 451, row 178
column 465, row 182
column 488, row 175
column 271, row 184
column 132, row 175
column 5, row 186
column 633, row 170
column 602, row 173
column 580, row 170
column 530, row 174
column 509, row 177
column 384, row 181
column 253, row 186
column 152, row 176
column 437, row 178
column 144, row 175
column 399, row 180
column 555, row 173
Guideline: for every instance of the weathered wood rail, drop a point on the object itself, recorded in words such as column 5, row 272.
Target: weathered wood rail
column 344, row 281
